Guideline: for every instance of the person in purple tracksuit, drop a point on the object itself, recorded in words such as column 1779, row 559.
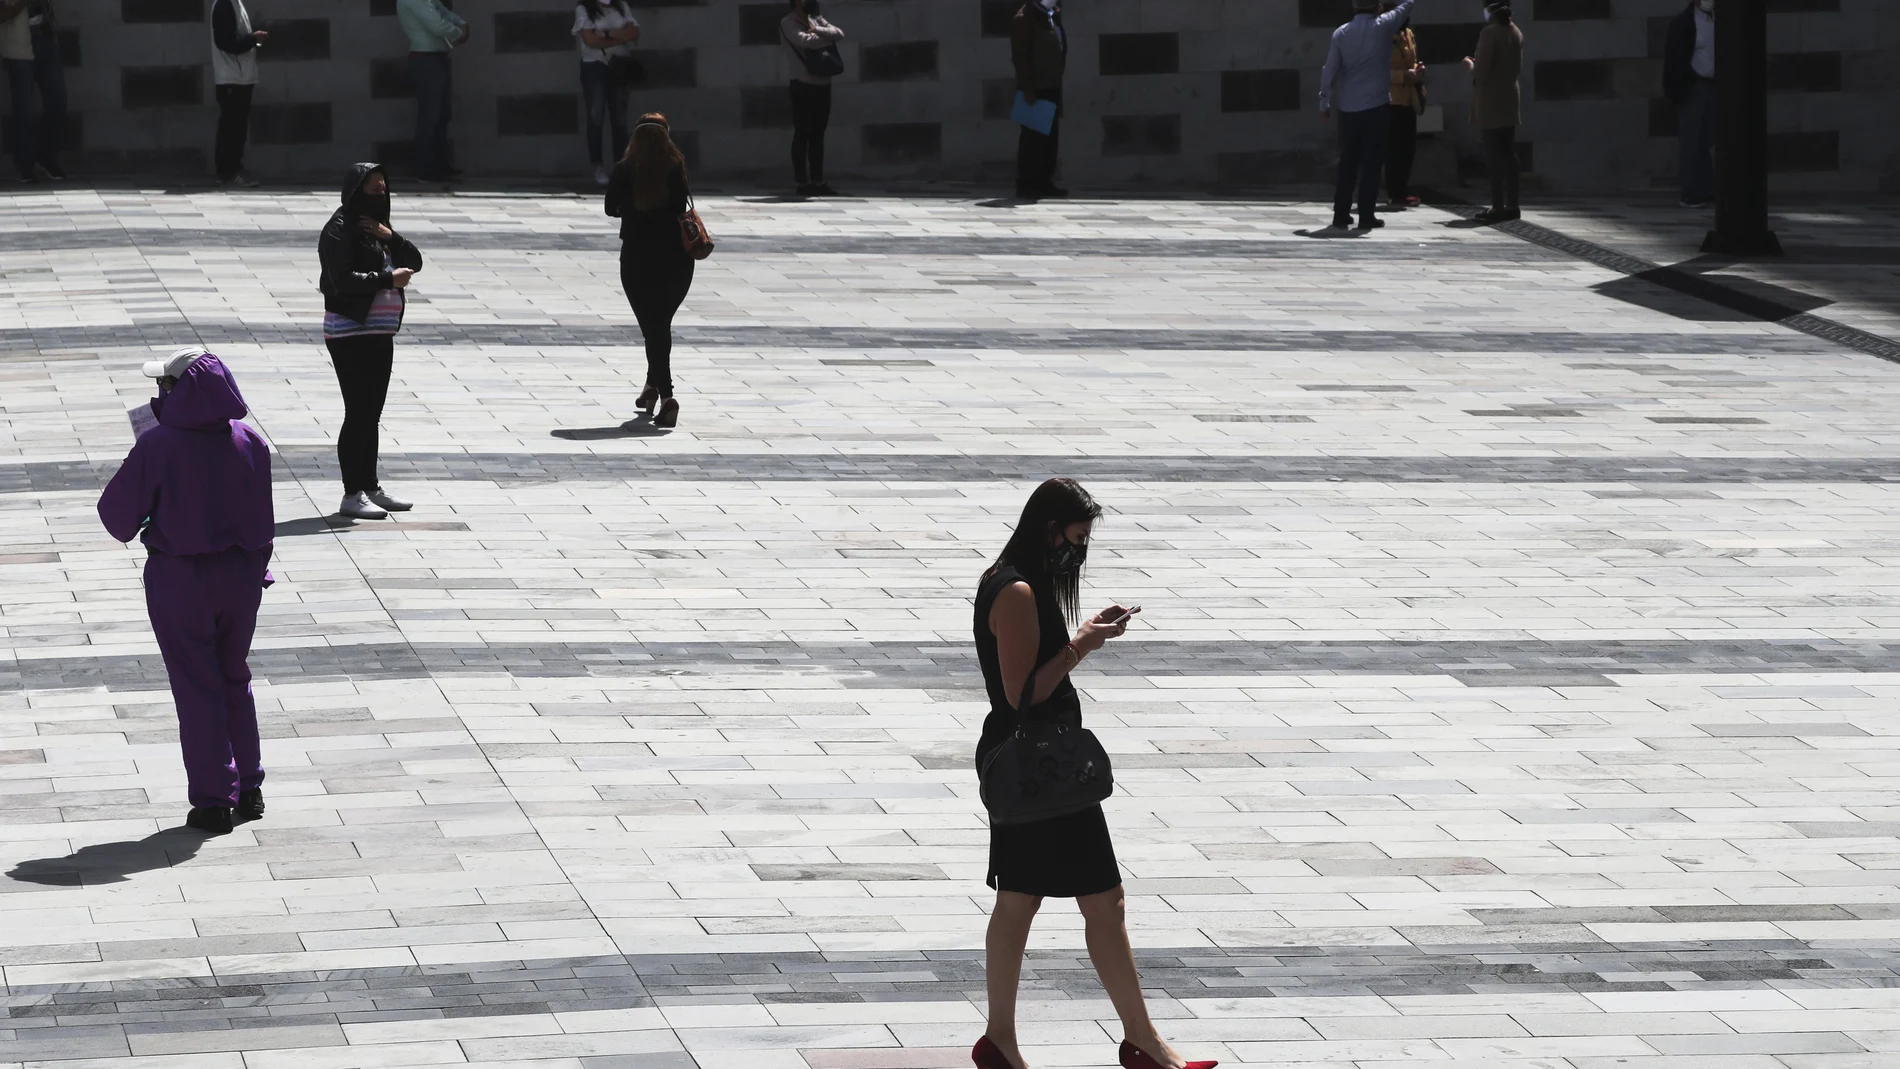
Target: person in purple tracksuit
column 196, row 489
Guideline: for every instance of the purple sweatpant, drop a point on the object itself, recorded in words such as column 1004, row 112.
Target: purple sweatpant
column 204, row 610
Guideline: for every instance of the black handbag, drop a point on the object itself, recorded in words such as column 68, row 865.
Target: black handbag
column 823, row 62
column 1045, row 768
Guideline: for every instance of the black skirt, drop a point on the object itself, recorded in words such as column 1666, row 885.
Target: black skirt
column 1063, row 857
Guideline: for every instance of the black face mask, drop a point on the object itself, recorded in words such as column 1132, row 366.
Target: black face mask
column 1068, row 558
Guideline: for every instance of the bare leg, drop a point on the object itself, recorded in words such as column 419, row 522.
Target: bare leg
column 1106, row 929
column 1003, row 965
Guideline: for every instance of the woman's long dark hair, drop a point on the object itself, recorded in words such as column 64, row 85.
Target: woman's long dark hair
column 654, row 156
column 1060, row 502
column 1500, row 14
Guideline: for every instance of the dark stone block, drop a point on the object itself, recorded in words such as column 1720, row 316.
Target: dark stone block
column 291, row 124
column 1664, row 118
column 999, row 97
column 71, row 139
column 159, row 87
column 676, row 3
column 906, row 61
column 1139, row 53
column 1525, row 160
column 1804, row 152
column 1268, row 167
column 903, row 142
column 1557, row 10
column 382, row 8
column 295, row 39
column 399, row 154
column 537, row 114
column 1786, row 7
column 1325, row 14
column 1659, row 35
column 162, row 10
column 1141, row 135
column 670, row 68
column 1260, row 90
column 1575, row 79
column 534, row 31
column 687, row 141
column 389, row 78
column 758, row 23
column 999, row 16
column 1446, row 42
column 765, row 106
column 1804, row 72
column 69, row 53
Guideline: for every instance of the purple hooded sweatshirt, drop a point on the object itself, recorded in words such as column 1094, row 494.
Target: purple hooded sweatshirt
column 199, row 482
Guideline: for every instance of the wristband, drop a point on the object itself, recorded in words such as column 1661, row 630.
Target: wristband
column 1073, row 649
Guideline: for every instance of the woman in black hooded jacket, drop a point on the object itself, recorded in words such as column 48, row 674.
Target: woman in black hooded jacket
column 366, row 267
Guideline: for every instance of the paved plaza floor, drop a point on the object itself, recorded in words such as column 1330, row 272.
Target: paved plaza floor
column 1515, row 686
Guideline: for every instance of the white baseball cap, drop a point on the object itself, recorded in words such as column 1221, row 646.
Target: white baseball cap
column 174, row 366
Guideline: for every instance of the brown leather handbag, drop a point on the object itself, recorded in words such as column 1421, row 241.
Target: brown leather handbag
column 693, row 235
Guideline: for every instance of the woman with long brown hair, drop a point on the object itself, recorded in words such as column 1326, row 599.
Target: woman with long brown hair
column 647, row 193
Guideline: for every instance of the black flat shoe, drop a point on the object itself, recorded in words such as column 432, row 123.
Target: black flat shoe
column 250, row 806
column 212, row 820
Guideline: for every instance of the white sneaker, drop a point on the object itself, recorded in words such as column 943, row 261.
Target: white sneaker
column 385, row 499
column 600, row 176
column 357, row 507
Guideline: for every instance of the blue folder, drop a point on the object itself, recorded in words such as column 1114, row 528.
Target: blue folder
column 1040, row 116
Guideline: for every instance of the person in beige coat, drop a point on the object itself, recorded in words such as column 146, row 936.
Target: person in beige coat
column 1405, row 104
column 1495, row 106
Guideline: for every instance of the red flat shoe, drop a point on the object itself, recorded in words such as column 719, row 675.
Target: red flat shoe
column 1134, row 1057
column 988, row 1055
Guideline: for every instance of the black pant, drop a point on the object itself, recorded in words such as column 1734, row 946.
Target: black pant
column 429, row 76
column 1036, row 153
column 811, row 112
column 1362, row 136
column 1500, row 159
column 234, row 124
column 656, row 285
column 1400, row 146
column 362, row 371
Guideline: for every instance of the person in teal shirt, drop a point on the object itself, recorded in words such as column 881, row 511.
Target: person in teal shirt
column 432, row 30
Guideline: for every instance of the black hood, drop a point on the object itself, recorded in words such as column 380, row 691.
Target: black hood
column 357, row 202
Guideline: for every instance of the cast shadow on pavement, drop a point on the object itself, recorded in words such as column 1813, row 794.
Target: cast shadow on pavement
column 1333, row 233
column 112, row 862
column 638, row 427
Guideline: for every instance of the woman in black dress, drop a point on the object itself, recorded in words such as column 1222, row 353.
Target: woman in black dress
column 647, row 193
column 1022, row 639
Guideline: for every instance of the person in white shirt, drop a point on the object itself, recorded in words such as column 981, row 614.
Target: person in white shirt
column 807, row 34
column 234, row 48
column 29, row 50
column 603, row 31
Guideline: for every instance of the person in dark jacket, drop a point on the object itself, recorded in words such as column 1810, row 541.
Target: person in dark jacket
column 1039, row 49
column 366, row 267
column 1689, row 82
column 30, row 53
column 196, row 489
column 647, row 193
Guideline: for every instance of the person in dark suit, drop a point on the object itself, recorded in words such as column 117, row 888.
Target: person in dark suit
column 1039, row 48
column 1689, row 83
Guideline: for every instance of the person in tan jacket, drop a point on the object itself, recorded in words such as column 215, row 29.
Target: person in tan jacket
column 1407, row 101
column 1495, row 104
column 1039, row 50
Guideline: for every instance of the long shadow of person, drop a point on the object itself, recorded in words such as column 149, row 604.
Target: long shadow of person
column 112, row 862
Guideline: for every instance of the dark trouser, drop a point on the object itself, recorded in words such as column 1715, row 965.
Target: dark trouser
column 204, row 610
column 46, row 72
column 1362, row 137
column 1400, row 146
column 234, row 124
column 656, row 285
column 1036, row 153
column 362, row 367
column 811, row 112
column 1695, row 134
column 605, row 99
column 1500, row 159
column 429, row 76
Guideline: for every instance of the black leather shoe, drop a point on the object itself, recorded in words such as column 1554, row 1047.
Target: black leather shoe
column 1342, row 222
column 1370, row 222
column 212, row 820
column 250, row 806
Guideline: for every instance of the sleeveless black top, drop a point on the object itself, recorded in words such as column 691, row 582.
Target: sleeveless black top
column 1064, row 703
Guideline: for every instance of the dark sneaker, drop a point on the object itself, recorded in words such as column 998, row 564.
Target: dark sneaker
column 250, row 806
column 212, row 820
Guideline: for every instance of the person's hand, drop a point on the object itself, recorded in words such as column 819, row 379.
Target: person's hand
column 260, row 36
column 1470, row 63
column 1029, row 96
column 375, row 229
column 1111, row 622
column 1325, row 115
column 464, row 38
column 400, row 277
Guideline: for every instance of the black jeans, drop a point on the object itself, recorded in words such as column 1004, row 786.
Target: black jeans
column 429, row 76
column 656, row 286
column 37, row 143
column 1362, row 137
column 234, row 125
column 1036, row 153
column 811, row 113
column 1500, row 159
column 362, row 371
column 1400, row 146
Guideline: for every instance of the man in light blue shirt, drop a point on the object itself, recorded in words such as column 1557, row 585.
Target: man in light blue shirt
column 432, row 30
column 1357, row 82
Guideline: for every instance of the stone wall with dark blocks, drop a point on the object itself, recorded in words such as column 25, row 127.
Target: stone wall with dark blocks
column 1175, row 93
